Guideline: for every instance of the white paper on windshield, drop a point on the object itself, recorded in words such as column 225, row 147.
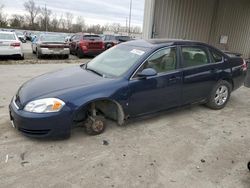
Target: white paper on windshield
column 137, row 52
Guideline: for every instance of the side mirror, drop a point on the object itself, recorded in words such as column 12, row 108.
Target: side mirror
column 147, row 73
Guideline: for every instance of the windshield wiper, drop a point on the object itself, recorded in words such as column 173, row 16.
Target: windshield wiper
column 94, row 71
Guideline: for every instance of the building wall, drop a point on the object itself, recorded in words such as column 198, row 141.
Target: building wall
column 233, row 20
column 203, row 20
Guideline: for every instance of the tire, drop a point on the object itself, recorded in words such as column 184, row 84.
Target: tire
column 109, row 46
column 65, row 56
column 95, row 127
column 21, row 57
column 38, row 55
column 248, row 166
column 79, row 53
column 219, row 95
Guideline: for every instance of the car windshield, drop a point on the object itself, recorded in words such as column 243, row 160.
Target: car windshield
column 7, row 36
column 116, row 61
column 52, row 38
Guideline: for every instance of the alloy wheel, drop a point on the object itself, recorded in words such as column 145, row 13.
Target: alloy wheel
column 221, row 95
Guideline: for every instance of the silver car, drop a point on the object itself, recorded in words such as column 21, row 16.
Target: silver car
column 10, row 45
column 49, row 44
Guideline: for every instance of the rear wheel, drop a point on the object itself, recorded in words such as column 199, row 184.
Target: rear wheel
column 248, row 166
column 38, row 54
column 21, row 57
column 109, row 46
column 219, row 95
column 65, row 56
column 79, row 53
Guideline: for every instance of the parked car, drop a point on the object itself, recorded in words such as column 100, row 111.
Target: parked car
column 50, row 44
column 130, row 80
column 10, row 45
column 112, row 40
column 86, row 44
column 21, row 36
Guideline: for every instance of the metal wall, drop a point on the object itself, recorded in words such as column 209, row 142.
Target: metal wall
column 203, row 20
column 233, row 20
column 184, row 19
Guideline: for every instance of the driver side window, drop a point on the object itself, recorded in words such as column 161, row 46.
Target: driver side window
column 162, row 61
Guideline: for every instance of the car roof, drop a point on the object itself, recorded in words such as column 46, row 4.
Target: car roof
column 7, row 32
column 152, row 43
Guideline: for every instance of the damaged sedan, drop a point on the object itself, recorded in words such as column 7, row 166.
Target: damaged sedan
column 127, row 81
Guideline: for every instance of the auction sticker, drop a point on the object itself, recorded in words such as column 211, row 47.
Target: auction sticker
column 137, row 52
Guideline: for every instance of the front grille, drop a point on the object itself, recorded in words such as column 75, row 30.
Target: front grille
column 34, row 132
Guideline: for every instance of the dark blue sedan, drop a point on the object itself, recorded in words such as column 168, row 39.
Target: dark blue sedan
column 129, row 80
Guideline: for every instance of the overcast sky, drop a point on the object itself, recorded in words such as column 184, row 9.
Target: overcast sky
column 93, row 11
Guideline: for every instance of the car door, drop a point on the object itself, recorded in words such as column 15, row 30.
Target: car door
column 199, row 73
column 158, row 92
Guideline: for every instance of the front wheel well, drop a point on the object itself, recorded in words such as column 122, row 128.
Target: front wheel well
column 108, row 108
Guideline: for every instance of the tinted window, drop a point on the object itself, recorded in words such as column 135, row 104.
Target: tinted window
column 52, row 38
column 77, row 37
column 194, row 56
column 7, row 36
column 216, row 56
column 122, row 38
column 91, row 37
column 162, row 61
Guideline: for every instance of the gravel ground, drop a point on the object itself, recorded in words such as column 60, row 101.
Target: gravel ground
column 193, row 147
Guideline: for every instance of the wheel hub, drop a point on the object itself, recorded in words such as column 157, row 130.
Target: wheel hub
column 97, row 125
column 221, row 95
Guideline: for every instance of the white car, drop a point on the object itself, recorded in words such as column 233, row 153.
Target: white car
column 10, row 45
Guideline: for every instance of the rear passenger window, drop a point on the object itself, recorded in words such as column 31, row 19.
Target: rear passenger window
column 194, row 56
column 217, row 58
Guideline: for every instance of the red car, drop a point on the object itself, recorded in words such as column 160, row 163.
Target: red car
column 86, row 45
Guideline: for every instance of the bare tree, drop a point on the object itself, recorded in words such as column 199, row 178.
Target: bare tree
column 32, row 10
column 115, row 27
column 17, row 21
column 62, row 23
column 44, row 18
column 54, row 23
column 69, row 20
column 136, row 29
column 81, row 23
column 3, row 17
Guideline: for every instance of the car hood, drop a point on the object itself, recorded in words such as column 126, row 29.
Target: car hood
column 57, row 82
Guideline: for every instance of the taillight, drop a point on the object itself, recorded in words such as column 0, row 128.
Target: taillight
column 84, row 45
column 244, row 66
column 15, row 44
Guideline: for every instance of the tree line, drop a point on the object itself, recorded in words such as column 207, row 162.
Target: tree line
column 42, row 19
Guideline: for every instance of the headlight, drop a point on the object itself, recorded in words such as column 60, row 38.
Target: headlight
column 44, row 105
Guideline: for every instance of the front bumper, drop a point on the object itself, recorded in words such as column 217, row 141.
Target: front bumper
column 41, row 125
